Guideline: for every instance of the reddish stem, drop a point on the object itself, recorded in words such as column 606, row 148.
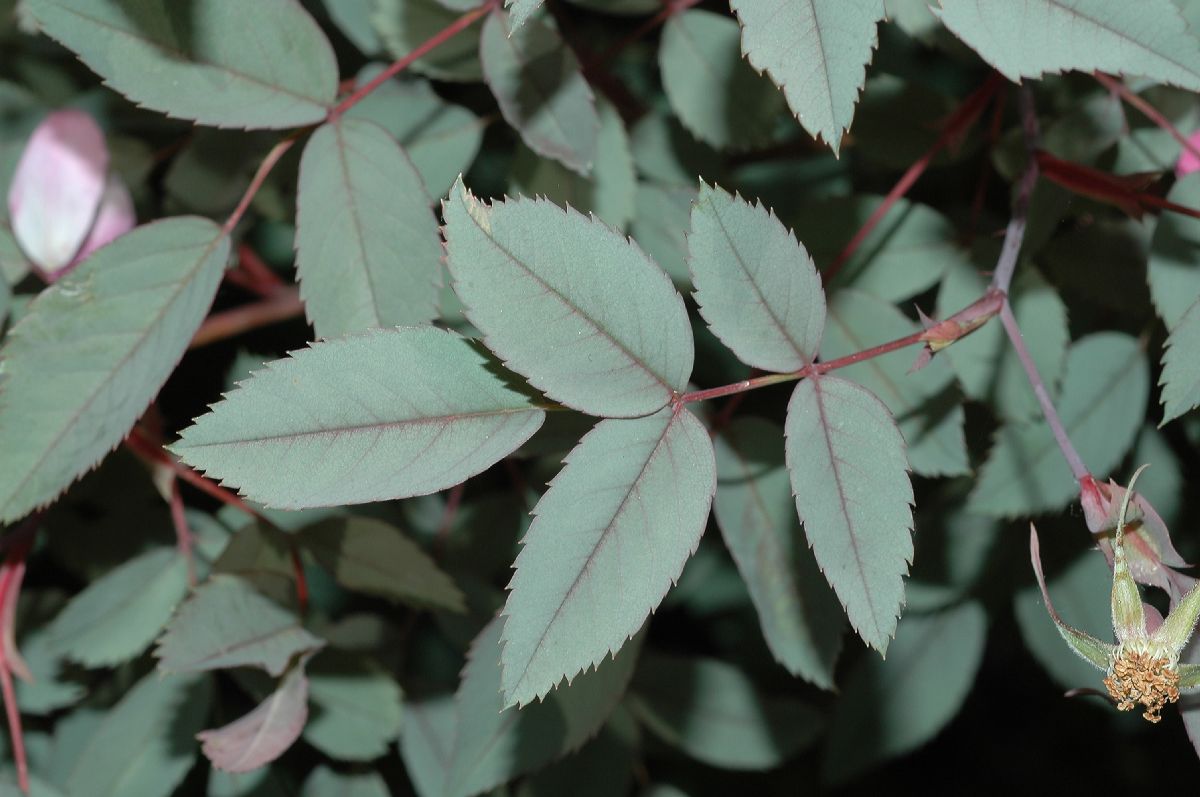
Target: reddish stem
column 301, row 580
column 11, row 575
column 670, row 8
column 143, row 446
column 262, row 279
column 1148, row 110
column 260, row 177
column 284, row 305
column 955, row 127
column 183, row 534
column 453, row 502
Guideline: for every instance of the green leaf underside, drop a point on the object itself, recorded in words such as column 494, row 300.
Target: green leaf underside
column 924, row 404
column 427, row 741
column 120, row 614
column 353, row 19
column 367, row 246
column 208, row 62
column 1149, row 38
column 226, row 624
column 261, row 736
column 600, row 328
column 719, row 97
column 985, row 362
column 1106, row 385
column 381, row 415
column 816, row 51
column 800, row 617
column 891, row 707
column 541, row 91
column 1181, row 366
column 53, row 687
column 493, row 743
column 404, row 25
column 850, row 478
column 1172, row 269
column 521, row 10
column 756, row 286
column 110, row 332
column 661, row 218
column 144, row 745
column 713, row 712
column 356, row 707
column 324, row 782
column 608, row 540
column 372, row 556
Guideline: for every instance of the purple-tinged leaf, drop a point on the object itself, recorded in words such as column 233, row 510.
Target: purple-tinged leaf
column 265, row 733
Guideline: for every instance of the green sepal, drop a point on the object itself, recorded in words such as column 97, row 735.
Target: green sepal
column 1189, row 676
column 1090, row 649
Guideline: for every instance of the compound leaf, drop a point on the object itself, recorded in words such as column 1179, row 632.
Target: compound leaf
column 380, row 415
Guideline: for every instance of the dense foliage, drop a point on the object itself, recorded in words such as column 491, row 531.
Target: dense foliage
column 597, row 397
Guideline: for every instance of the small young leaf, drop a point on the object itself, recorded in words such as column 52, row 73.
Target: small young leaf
column 227, row 624
column 208, row 62
column 719, row 97
column 120, row 614
column 1106, row 385
column 891, row 707
column 850, row 477
column 367, row 247
column 713, row 712
column 1149, row 39
column 385, row 414
column 1172, row 269
column 356, row 707
column 144, row 744
column 755, row 284
column 258, row 738
column 404, row 25
column 608, row 539
column 111, row 332
column 601, row 328
column 324, row 782
column 541, row 91
column 816, row 51
column 1181, row 367
column 372, row 556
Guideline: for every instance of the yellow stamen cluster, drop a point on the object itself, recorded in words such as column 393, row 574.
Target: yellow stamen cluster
column 1141, row 677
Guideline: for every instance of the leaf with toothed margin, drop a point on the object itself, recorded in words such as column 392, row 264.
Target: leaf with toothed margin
column 94, row 348
column 541, row 91
column 755, row 284
column 1034, row 37
column 208, row 62
column 226, row 624
column 608, row 540
column 599, row 328
column 1105, row 387
column 381, row 415
column 494, row 743
column 367, row 246
column 816, row 51
column 258, row 738
column 1181, row 367
column 520, row 10
column 850, row 477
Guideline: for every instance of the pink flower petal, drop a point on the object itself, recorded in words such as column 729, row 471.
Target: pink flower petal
column 57, row 187
column 1188, row 162
column 115, row 217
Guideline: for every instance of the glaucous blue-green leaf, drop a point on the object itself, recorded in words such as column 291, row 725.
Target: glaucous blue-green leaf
column 666, row 154
column 800, row 618
column 13, row 263
column 356, row 707
column 495, row 743
column 907, row 252
column 404, row 25
column 385, row 414
column 541, row 91
column 608, row 540
column 601, row 327
column 1173, row 269
column 714, row 713
column 924, row 404
column 1148, row 39
column 440, row 138
column 262, row 555
column 889, row 707
column 353, row 18
column 1181, row 366
column 984, row 361
column 608, row 192
column 367, row 246
column 427, row 743
column 226, row 624
column 719, row 97
column 756, row 286
column 324, row 782
column 265, row 782
column 111, row 332
column 521, row 10
column 846, row 459
column 208, row 62
column 53, row 686
column 1074, row 591
column 144, row 744
column 259, row 737
column 660, row 223
column 120, row 614
column 816, row 51
column 1106, row 385
column 375, row 557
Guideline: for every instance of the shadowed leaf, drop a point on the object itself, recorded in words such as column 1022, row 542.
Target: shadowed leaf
column 1181, row 367
column 258, row 738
